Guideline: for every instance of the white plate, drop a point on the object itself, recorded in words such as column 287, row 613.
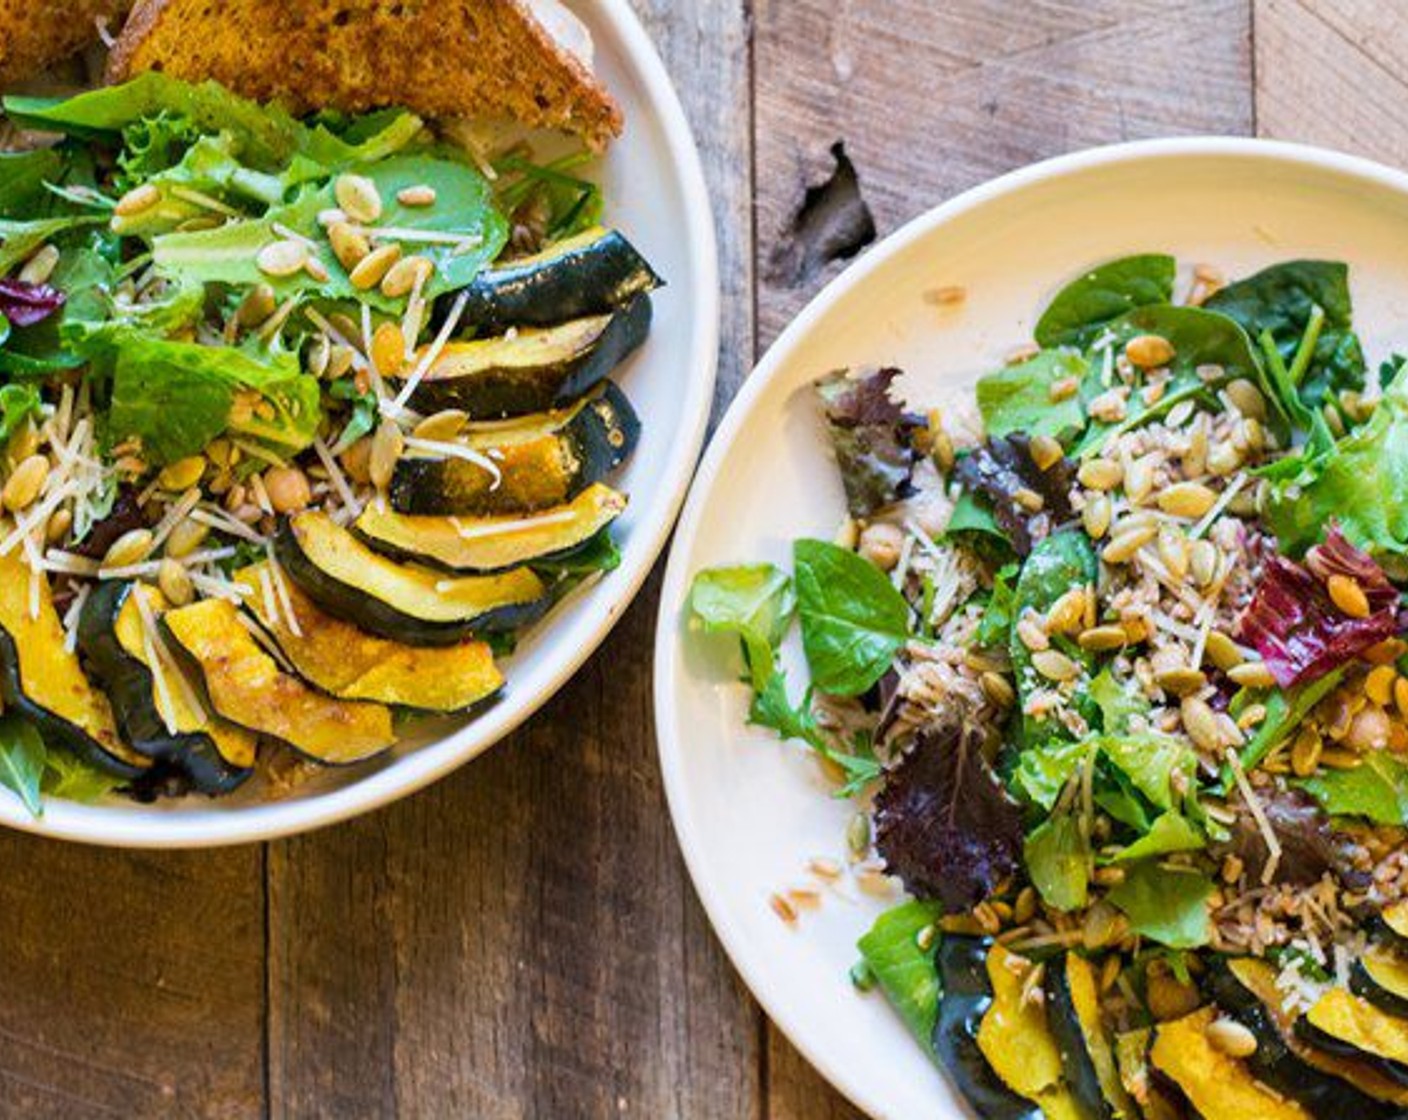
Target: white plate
column 655, row 193
column 749, row 811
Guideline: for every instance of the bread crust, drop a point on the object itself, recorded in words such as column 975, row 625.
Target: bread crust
column 33, row 37
column 471, row 58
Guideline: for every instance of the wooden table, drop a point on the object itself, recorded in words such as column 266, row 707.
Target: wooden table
column 521, row 940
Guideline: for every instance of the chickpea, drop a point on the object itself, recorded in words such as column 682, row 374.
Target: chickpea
column 288, row 489
column 880, row 543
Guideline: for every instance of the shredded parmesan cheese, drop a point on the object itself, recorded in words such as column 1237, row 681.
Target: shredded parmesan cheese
column 452, row 321
column 1273, row 845
column 1224, row 499
column 504, row 528
column 458, row 451
column 285, row 601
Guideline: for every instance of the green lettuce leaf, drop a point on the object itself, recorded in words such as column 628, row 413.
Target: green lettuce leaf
column 1376, row 789
column 1170, row 907
column 17, row 403
column 906, row 972
column 1042, row 771
column 1059, row 861
column 22, row 757
column 178, row 396
column 754, row 601
column 22, row 179
column 1361, row 482
column 1149, row 761
column 1170, row 832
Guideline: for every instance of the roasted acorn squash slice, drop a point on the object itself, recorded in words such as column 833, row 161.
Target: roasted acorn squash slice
column 1395, row 918
column 401, row 602
column 246, row 686
column 1343, row 1023
column 530, row 369
column 1245, row 989
column 1073, row 1010
column 590, row 273
column 159, row 721
column 1381, row 977
column 1132, row 1058
column 491, row 544
column 1219, row 1086
column 42, row 680
column 342, row 660
column 541, row 461
column 966, row 999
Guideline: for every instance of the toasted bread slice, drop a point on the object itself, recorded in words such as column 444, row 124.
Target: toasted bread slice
column 34, row 36
column 440, row 58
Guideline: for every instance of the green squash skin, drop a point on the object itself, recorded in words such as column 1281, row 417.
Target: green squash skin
column 1275, row 1064
column 601, row 437
column 580, row 280
column 1314, row 1036
column 1065, row 1026
column 129, row 684
column 56, row 731
column 500, row 392
column 966, row 997
column 355, row 606
column 1363, row 984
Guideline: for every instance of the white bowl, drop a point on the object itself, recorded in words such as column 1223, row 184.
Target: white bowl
column 655, row 193
column 750, row 811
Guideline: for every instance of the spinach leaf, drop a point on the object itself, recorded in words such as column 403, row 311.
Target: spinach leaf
column 22, row 756
column 1170, row 907
column 464, row 210
column 1000, row 612
column 1283, row 299
column 1086, row 305
column 754, row 601
column 1060, row 562
column 1361, row 483
column 1376, row 789
column 1059, row 861
column 1017, row 398
column 973, row 526
column 178, row 396
column 1201, row 340
column 906, row 972
column 1170, row 832
column 853, row 619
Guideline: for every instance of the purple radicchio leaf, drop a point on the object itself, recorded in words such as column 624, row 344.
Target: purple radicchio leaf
column 26, row 304
column 1310, row 846
column 1002, row 468
column 943, row 822
column 872, row 436
column 1297, row 628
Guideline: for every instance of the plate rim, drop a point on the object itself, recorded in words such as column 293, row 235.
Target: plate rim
column 105, row 826
column 669, row 644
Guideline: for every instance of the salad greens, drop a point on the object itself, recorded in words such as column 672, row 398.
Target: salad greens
column 1136, row 700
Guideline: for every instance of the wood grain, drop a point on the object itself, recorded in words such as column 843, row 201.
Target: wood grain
column 133, row 982
column 1332, row 74
column 521, row 940
column 932, row 98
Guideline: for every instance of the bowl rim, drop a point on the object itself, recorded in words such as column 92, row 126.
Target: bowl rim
column 134, row 827
column 669, row 642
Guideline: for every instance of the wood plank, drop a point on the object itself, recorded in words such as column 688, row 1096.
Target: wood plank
column 1332, row 74
column 521, row 940
column 984, row 86
column 133, row 982
column 930, row 99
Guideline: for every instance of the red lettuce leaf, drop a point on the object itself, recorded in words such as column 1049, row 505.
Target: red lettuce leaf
column 1295, row 626
column 872, row 436
column 1003, row 467
column 26, row 304
column 944, row 824
column 1310, row 846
